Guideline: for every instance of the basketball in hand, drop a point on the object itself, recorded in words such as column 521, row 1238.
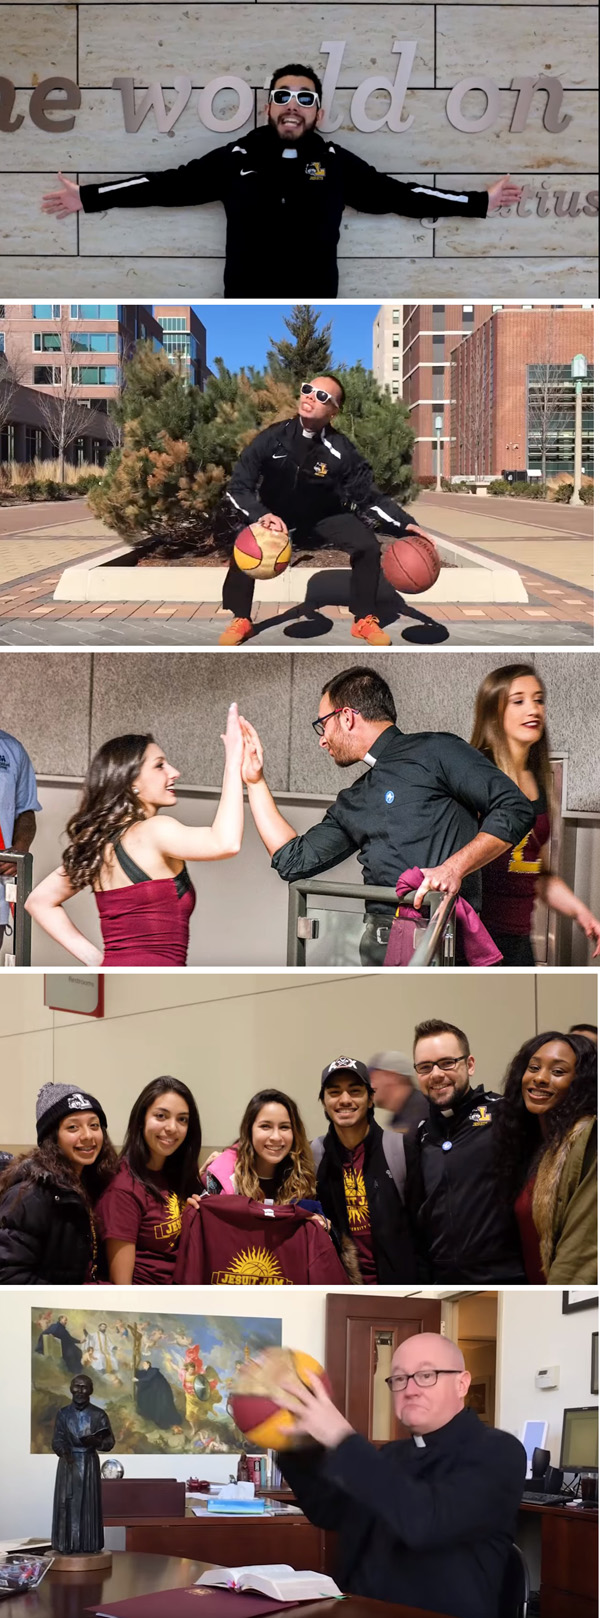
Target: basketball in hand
column 262, row 552
column 411, row 564
column 263, row 1422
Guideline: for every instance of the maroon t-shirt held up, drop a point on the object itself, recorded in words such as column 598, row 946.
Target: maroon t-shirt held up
column 129, row 1212
column 233, row 1241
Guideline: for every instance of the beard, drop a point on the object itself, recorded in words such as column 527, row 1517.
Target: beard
column 286, row 136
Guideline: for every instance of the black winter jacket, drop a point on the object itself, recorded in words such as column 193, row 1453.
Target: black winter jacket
column 290, row 203
column 45, row 1231
column 303, row 480
column 393, row 1250
column 427, row 1525
column 464, row 1232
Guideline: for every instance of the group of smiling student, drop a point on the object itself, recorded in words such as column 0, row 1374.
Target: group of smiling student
column 482, row 1187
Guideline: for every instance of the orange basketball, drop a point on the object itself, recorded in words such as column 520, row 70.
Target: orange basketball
column 262, row 552
column 411, row 564
column 263, row 1422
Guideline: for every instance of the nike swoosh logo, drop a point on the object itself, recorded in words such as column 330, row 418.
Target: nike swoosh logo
column 247, row 171
column 278, row 457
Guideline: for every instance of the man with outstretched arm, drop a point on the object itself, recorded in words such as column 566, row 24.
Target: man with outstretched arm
column 284, row 189
column 428, row 1521
column 427, row 799
column 304, row 476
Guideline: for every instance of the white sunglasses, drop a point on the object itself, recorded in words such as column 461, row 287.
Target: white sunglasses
column 305, row 98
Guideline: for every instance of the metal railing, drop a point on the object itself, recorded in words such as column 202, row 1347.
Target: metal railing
column 17, row 889
column 436, row 946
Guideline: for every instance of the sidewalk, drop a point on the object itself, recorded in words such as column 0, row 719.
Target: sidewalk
column 37, row 542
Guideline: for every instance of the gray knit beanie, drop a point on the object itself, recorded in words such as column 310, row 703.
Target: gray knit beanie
column 57, row 1101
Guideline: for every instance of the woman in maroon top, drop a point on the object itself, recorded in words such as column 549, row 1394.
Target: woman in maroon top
column 139, row 1215
column 134, row 858
column 547, row 1156
column 510, row 729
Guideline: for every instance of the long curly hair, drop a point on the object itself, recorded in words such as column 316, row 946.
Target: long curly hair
column 519, row 1140
column 295, row 1176
column 48, row 1159
column 180, row 1169
column 108, row 805
column 489, row 736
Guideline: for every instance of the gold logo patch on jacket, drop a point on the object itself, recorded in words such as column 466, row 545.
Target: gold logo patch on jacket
column 320, row 470
column 315, row 171
column 481, row 1115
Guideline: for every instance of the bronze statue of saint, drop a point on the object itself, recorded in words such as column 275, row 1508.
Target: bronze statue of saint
column 81, row 1429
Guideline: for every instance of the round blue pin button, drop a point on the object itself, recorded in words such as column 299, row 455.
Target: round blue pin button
column 446, row 1145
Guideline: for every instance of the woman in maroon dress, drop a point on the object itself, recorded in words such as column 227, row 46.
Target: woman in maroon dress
column 134, row 858
column 510, row 728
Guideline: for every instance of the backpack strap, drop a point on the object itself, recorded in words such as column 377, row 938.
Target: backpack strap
column 395, row 1157
column 317, row 1147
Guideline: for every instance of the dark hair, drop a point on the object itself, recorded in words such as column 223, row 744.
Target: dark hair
column 426, row 1030
column 488, row 725
column 298, row 71
column 180, row 1169
column 364, row 690
column 519, row 1140
column 81, row 1376
column 52, row 1161
column 579, row 1027
column 330, row 376
column 296, row 1176
column 108, row 805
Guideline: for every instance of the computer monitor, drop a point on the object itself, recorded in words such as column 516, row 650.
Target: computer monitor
column 579, row 1442
column 533, row 1436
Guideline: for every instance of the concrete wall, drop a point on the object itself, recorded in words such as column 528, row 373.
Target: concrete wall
column 168, row 253
column 227, row 1035
column 63, row 707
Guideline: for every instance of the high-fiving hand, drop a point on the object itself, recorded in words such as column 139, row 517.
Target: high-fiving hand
column 63, row 202
column 252, row 763
column 233, row 740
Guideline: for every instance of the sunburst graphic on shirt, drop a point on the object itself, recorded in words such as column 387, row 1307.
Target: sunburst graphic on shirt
column 252, row 1267
column 171, row 1227
column 356, row 1200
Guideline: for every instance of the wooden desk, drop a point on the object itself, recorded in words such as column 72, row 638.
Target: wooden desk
column 65, row 1596
column 569, row 1561
column 257, row 1539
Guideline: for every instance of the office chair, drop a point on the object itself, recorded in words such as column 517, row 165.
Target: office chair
column 514, row 1593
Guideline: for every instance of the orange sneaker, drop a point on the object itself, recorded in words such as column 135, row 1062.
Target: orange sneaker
column 240, row 629
column 368, row 629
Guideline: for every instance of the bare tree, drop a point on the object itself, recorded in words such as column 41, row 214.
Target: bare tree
column 472, row 390
column 545, row 393
column 13, row 369
column 65, row 417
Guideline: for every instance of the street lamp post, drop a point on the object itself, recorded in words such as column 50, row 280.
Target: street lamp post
column 578, row 373
column 438, row 424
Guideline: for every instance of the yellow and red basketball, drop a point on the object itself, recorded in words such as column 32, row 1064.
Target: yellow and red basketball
column 262, row 552
column 251, row 1403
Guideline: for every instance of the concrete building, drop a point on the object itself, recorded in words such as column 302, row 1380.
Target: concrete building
column 388, row 344
column 184, row 339
column 513, row 397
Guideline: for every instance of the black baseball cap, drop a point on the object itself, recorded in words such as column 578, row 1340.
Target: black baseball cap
column 345, row 1064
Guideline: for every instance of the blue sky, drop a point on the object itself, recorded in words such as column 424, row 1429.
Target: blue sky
column 240, row 334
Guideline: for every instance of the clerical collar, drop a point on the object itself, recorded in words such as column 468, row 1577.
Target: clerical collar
column 381, row 742
column 419, row 1441
column 290, row 151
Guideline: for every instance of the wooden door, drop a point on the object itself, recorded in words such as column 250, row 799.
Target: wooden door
column 361, row 1334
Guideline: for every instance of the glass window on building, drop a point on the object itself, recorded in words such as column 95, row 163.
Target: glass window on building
column 395, row 317
column 496, row 308
column 46, row 342
column 551, row 419
column 395, row 365
column 45, row 375
column 1, row 342
column 438, row 316
column 95, row 311
column 437, row 344
column 437, row 381
column 7, row 443
column 468, row 314
column 45, row 311
column 395, row 387
column 94, row 342
column 174, row 323
column 33, row 443
column 95, row 376
column 395, row 342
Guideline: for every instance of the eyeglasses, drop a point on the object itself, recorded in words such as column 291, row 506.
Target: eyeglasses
column 446, row 1065
column 305, row 98
column 422, row 1379
column 318, row 725
column 319, row 393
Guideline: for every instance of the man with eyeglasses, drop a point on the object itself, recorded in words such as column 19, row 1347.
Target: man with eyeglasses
column 304, row 476
column 464, row 1229
column 427, row 800
column 428, row 1522
column 284, row 189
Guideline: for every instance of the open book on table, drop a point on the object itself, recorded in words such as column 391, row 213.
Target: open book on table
column 275, row 1579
